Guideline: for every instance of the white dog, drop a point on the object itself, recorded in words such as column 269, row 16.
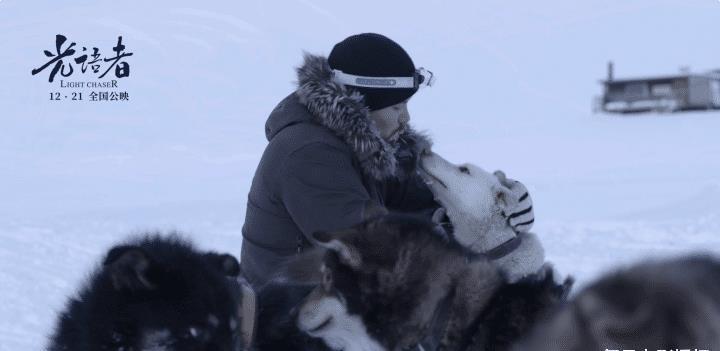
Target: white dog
column 487, row 215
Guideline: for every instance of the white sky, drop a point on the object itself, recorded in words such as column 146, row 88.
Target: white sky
column 517, row 76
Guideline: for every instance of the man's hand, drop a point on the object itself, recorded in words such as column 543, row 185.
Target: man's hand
column 521, row 217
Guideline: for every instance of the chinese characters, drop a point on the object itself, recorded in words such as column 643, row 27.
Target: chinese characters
column 62, row 60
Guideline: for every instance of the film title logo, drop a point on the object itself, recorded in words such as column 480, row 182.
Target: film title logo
column 70, row 60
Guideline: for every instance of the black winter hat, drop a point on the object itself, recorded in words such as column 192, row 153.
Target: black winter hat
column 374, row 55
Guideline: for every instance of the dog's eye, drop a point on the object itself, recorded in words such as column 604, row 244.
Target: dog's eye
column 194, row 333
column 500, row 199
column 464, row 169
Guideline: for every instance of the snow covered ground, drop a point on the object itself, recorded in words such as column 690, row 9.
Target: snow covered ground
column 514, row 90
column 594, row 213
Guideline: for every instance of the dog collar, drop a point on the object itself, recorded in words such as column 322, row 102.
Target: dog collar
column 504, row 249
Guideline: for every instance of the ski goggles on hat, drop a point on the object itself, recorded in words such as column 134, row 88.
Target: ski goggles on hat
column 421, row 77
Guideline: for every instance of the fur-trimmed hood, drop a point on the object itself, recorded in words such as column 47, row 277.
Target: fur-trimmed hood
column 342, row 110
column 325, row 167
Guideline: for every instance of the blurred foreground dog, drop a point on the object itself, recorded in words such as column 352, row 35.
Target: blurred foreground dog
column 158, row 293
column 658, row 305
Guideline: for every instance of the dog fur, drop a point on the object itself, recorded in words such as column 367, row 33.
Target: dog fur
column 655, row 305
column 515, row 309
column 478, row 205
column 156, row 293
column 385, row 281
column 278, row 303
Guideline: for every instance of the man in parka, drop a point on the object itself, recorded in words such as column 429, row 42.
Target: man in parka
column 340, row 151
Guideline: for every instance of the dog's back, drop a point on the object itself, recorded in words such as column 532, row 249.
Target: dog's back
column 155, row 293
column 386, row 278
column 671, row 304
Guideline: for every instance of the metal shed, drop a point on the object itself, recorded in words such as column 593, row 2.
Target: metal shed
column 681, row 92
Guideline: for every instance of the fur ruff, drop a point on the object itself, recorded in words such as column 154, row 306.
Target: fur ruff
column 342, row 109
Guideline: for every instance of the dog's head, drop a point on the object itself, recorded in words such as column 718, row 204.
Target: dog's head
column 376, row 291
column 173, row 297
column 474, row 199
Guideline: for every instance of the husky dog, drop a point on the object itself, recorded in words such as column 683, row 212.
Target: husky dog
column 385, row 281
column 478, row 205
column 277, row 313
column 158, row 293
column 656, row 305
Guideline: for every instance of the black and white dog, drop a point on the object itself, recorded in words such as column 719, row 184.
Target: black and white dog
column 158, row 293
column 389, row 283
column 487, row 213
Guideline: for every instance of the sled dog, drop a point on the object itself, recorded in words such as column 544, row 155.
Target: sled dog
column 390, row 282
column 478, row 206
column 157, row 293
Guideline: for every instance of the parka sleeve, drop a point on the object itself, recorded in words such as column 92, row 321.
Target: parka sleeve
column 321, row 190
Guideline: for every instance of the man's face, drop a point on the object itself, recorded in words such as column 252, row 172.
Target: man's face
column 391, row 120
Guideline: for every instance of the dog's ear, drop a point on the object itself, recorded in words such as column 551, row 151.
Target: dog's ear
column 225, row 263
column 128, row 267
column 564, row 290
column 334, row 241
column 551, row 279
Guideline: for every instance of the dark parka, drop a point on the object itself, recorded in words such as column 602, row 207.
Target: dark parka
column 326, row 167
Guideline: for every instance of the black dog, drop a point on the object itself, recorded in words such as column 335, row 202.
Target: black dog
column 156, row 293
